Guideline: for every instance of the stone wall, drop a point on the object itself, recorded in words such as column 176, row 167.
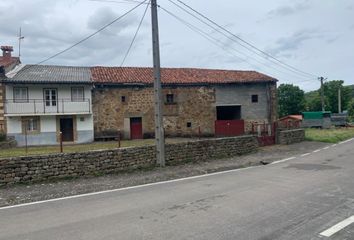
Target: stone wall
column 64, row 165
column 291, row 136
column 194, row 105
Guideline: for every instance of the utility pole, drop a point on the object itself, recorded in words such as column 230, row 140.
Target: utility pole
column 322, row 93
column 20, row 37
column 339, row 101
column 159, row 131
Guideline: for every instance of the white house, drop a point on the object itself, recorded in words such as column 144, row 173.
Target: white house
column 42, row 101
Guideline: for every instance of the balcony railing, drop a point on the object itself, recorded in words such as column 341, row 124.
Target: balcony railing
column 50, row 107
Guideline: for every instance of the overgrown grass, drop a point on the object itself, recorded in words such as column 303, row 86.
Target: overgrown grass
column 333, row 135
column 38, row 150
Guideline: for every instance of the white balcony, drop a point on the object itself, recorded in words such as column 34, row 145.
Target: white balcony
column 46, row 107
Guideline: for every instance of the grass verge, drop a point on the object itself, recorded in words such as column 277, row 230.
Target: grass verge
column 333, row 135
column 40, row 150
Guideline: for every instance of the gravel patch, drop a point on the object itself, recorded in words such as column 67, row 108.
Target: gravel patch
column 21, row 193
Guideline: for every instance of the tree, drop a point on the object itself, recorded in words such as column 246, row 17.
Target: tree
column 291, row 99
column 331, row 95
column 351, row 110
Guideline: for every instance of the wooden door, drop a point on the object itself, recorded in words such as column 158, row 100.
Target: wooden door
column 67, row 129
column 136, row 128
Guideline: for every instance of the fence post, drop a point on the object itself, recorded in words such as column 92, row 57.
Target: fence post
column 26, row 144
column 199, row 132
column 61, row 141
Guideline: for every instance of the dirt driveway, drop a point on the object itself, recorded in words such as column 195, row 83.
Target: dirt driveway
column 16, row 194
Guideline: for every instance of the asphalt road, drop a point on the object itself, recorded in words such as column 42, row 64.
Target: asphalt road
column 295, row 199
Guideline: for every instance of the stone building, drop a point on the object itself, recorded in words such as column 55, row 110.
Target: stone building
column 196, row 101
column 7, row 63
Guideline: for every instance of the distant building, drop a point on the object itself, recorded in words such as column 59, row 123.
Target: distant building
column 7, row 63
column 290, row 121
column 42, row 101
column 316, row 119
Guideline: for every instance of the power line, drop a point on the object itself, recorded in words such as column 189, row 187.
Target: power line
column 121, row 1
column 135, row 34
column 89, row 36
column 249, row 46
column 218, row 43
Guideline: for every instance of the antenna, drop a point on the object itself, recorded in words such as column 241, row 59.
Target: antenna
column 20, row 37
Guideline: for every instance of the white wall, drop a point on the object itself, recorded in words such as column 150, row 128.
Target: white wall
column 14, row 125
column 85, row 125
column 48, row 124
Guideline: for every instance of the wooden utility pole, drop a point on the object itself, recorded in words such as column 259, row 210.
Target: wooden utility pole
column 322, row 94
column 339, row 101
column 159, row 131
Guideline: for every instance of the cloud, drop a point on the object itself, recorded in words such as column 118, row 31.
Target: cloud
column 291, row 43
column 105, row 15
column 288, row 10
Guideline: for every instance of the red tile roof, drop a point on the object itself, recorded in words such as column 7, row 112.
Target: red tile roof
column 144, row 75
column 295, row 117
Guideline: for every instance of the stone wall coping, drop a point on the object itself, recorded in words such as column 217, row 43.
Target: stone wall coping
column 121, row 148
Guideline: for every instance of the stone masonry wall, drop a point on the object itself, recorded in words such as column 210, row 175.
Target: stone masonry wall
column 194, row 105
column 63, row 165
column 291, row 136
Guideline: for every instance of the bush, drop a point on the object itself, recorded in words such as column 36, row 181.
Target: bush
column 2, row 136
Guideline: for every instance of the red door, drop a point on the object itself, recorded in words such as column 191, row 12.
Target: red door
column 136, row 128
column 227, row 128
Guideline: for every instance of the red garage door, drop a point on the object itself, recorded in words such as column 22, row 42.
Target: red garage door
column 225, row 128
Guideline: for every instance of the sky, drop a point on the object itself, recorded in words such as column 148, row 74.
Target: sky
column 314, row 36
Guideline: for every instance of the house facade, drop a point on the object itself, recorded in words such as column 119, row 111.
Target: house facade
column 7, row 63
column 43, row 101
column 195, row 101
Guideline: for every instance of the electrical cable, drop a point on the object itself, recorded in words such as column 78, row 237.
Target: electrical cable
column 135, row 34
column 250, row 46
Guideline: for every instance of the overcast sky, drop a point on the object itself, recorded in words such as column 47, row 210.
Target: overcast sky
column 316, row 36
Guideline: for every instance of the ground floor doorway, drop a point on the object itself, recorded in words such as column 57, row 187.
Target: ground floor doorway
column 136, row 128
column 67, row 129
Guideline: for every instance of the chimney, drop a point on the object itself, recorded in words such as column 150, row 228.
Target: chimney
column 6, row 51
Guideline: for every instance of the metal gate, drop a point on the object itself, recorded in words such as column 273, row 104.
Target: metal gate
column 265, row 133
column 227, row 128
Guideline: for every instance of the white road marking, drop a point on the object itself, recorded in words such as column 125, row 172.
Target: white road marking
column 305, row 154
column 339, row 226
column 325, row 148
column 283, row 160
column 315, row 151
column 128, row 188
column 333, row 145
column 346, row 141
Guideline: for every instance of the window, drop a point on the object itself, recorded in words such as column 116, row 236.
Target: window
column 169, row 99
column 30, row 124
column 77, row 94
column 123, row 99
column 189, row 124
column 50, row 97
column 20, row 94
column 255, row 98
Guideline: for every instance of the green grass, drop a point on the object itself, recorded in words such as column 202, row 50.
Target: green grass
column 333, row 135
column 39, row 150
